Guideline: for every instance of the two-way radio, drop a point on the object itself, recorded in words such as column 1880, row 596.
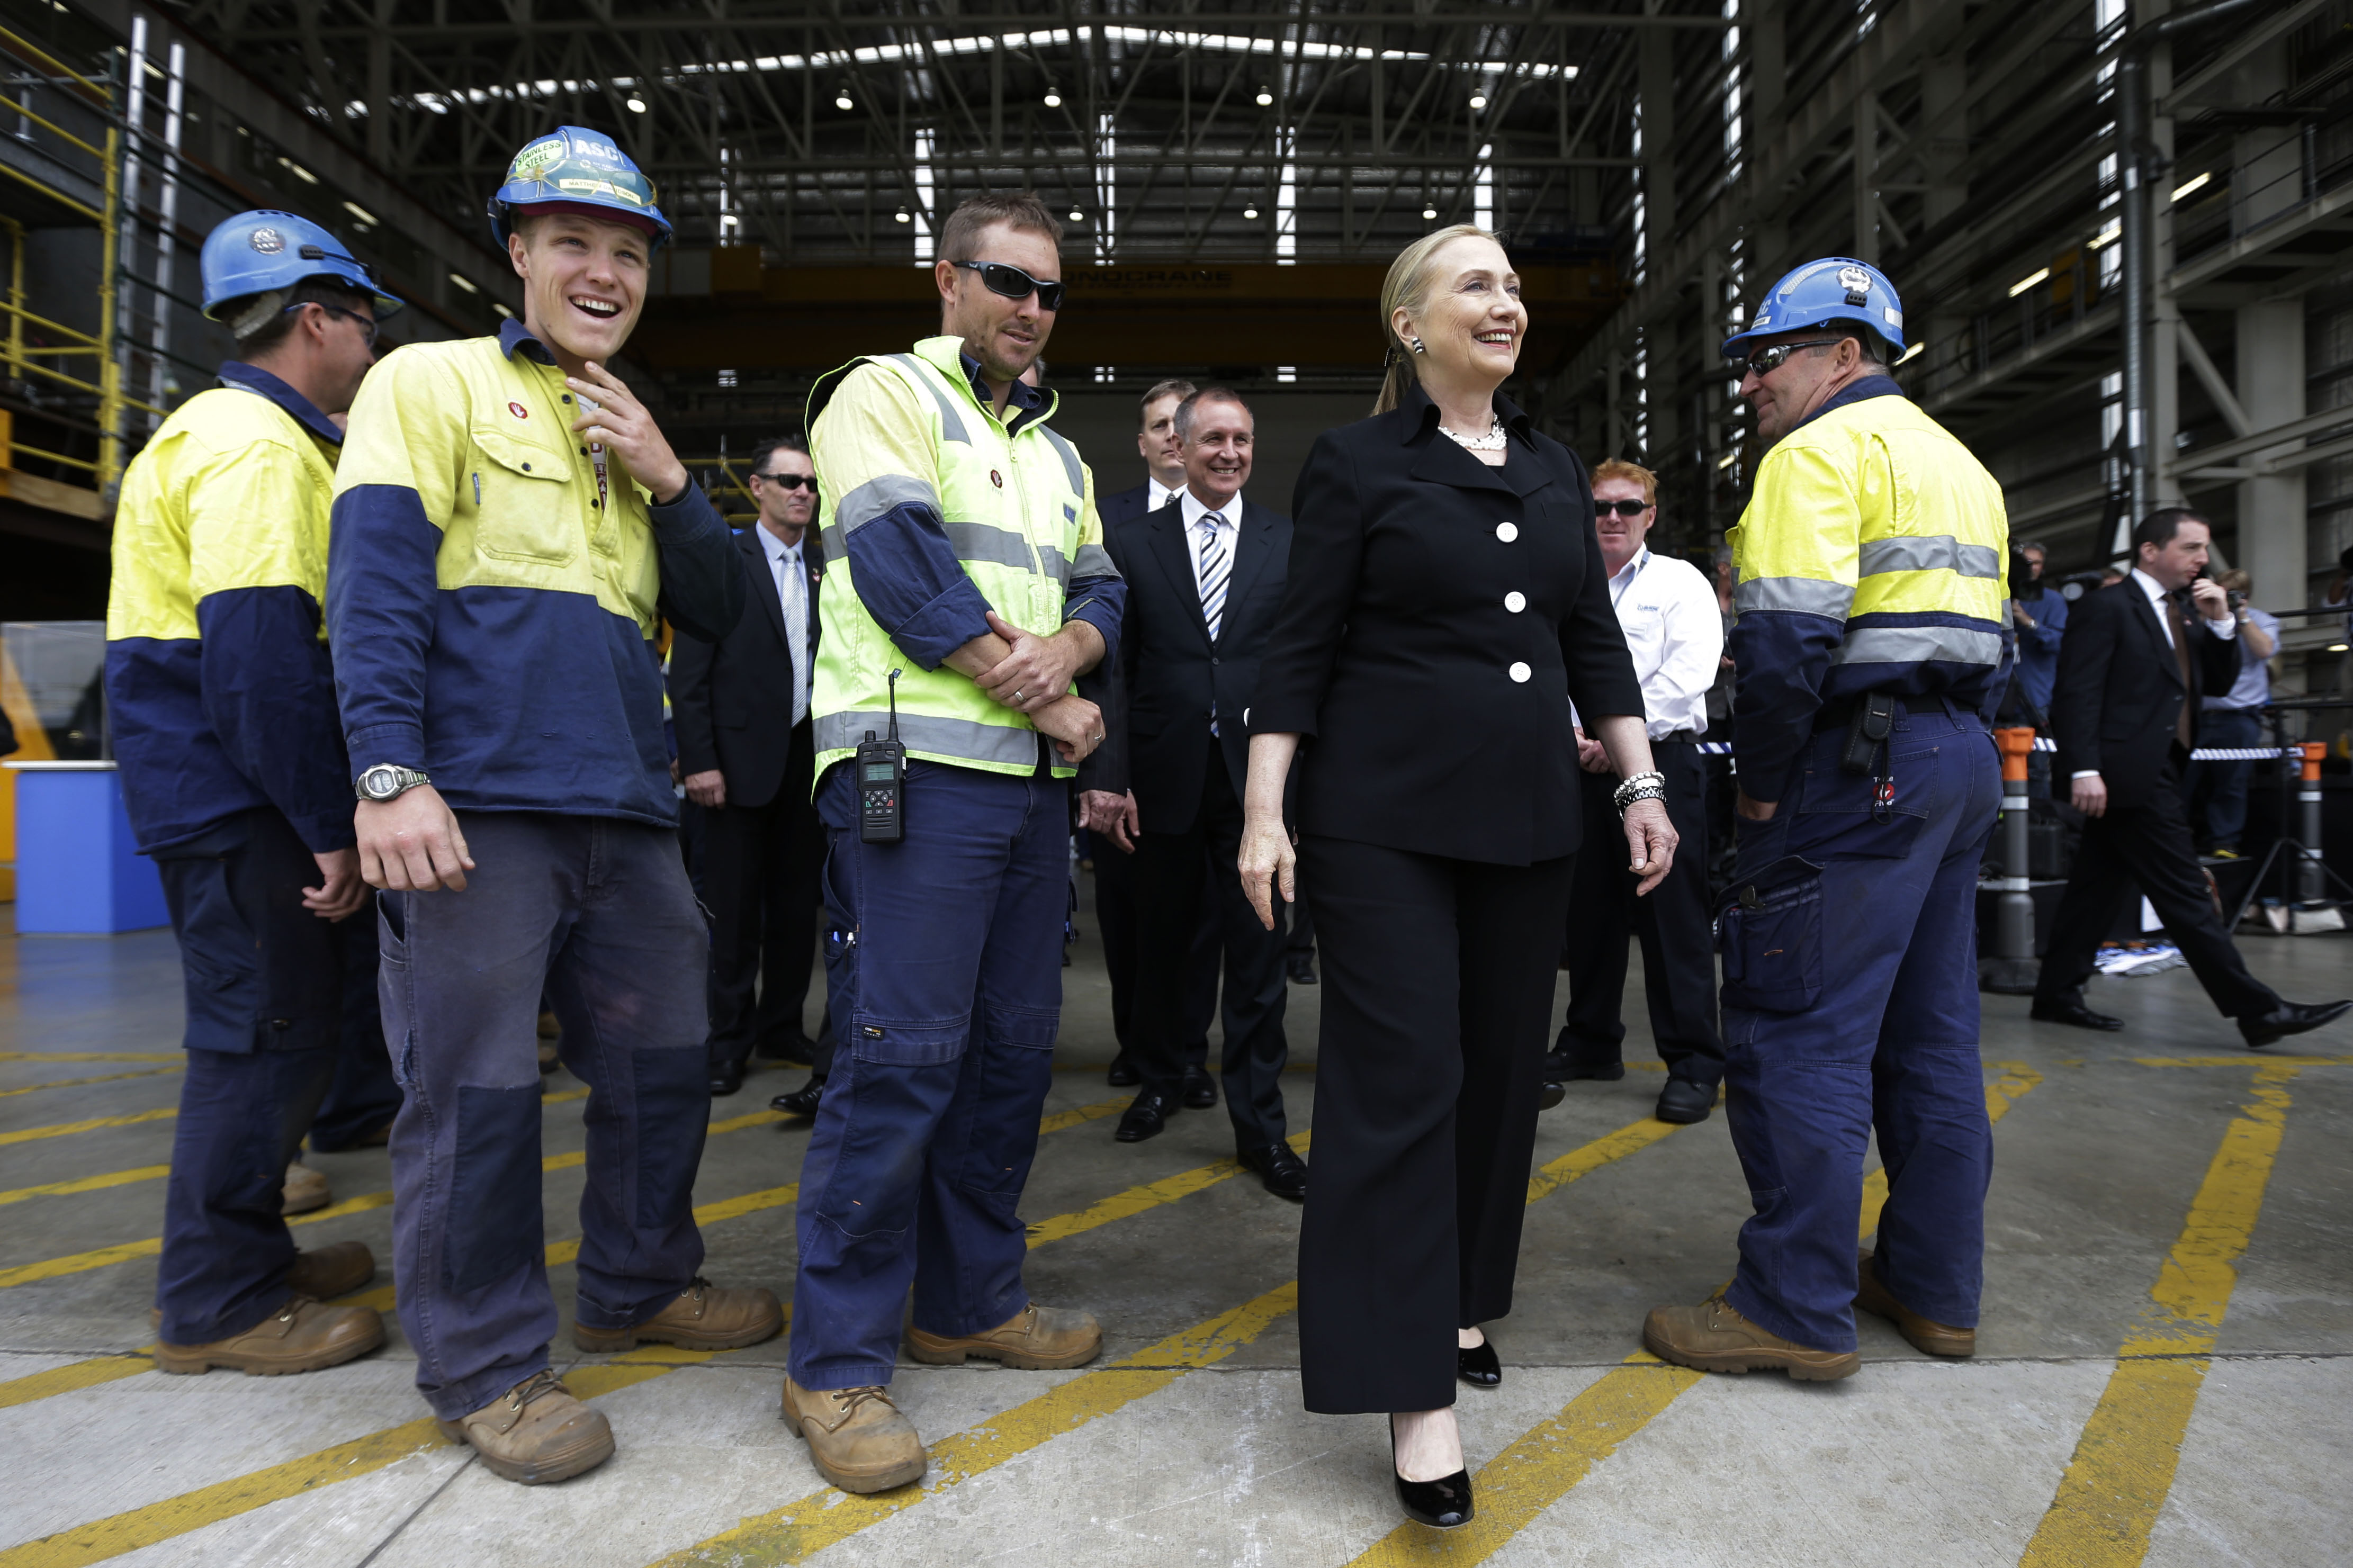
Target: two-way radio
column 883, row 782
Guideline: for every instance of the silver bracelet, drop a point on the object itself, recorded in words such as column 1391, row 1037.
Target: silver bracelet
column 1627, row 792
column 1648, row 791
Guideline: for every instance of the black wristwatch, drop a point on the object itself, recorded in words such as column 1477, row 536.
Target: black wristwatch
column 386, row 781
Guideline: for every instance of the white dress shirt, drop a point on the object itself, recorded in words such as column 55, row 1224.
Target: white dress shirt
column 1194, row 511
column 2162, row 603
column 1161, row 495
column 1675, row 630
column 792, row 592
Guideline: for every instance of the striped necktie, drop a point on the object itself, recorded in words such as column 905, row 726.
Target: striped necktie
column 1215, row 570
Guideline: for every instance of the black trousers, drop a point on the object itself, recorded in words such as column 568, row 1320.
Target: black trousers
column 1438, row 983
column 2146, row 848
column 1301, row 941
column 1115, row 919
column 760, row 866
column 1672, row 919
column 1169, row 882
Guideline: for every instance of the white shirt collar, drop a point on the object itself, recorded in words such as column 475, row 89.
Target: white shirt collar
column 1196, row 508
column 2150, row 586
column 1161, row 495
column 777, row 549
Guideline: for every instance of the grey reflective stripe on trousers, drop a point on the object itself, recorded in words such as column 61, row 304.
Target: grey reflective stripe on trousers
column 877, row 496
column 960, row 738
column 1078, row 470
column 1928, row 553
column 1810, row 595
column 951, row 422
column 1917, row 645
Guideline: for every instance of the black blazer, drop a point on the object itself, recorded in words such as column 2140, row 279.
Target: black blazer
column 1169, row 673
column 732, row 700
column 1396, row 645
column 1125, row 506
column 2119, row 694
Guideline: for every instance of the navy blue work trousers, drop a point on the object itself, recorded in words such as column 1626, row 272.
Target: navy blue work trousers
column 943, row 957
column 2217, row 793
column 280, row 1006
column 598, row 912
column 1849, row 1004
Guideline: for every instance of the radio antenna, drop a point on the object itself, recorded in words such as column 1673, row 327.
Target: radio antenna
column 895, row 705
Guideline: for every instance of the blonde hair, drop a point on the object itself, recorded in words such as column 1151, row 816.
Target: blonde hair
column 1620, row 469
column 1408, row 288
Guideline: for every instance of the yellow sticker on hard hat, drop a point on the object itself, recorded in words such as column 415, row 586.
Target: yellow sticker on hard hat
column 539, row 156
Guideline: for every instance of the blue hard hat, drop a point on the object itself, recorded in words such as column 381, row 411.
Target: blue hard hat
column 577, row 167
column 256, row 252
column 1834, row 288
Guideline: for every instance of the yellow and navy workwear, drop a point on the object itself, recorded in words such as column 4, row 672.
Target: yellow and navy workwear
column 217, row 681
column 1870, row 558
column 494, row 596
column 937, row 511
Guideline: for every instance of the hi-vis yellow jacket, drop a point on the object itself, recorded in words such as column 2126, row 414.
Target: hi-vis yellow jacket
column 1870, row 558
column 219, row 692
column 934, row 512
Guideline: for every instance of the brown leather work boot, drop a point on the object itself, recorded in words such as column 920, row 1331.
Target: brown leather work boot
column 1928, row 1336
column 1712, row 1337
column 856, row 1436
column 302, row 1336
column 335, row 1269
column 1037, row 1339
column 704, row 1317
column 305, row 1190
column 535, row 1432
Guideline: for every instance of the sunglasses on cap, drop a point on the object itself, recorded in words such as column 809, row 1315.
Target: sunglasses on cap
column 1622, row 508
column 790, row 481
column 1004, row 278
column 1765, row 361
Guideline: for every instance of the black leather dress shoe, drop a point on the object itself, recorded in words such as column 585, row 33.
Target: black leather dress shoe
column 1561, row 1066
column 1279, row 1167
column 1147, row 1117
column 1684, row 1102
column 726, row 1079
column 1122, row 1074
column 1441, row 1505
column 1299, row 968
column 1478, row 1366
column 1551, row 1094
column 801, row 1102
column 2080, row 1016
column 1200, row 1091
column 2290, row 1018
column 791, row 1045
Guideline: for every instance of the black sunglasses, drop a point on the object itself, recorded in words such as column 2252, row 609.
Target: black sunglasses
column 1003, row 277
column 1622, row 508
column 789, row 481
column 1765, row 361
column 367, row 324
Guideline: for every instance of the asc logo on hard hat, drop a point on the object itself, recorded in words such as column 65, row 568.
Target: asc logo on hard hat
column 269, row 241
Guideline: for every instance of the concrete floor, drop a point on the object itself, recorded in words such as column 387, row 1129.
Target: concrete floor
column 2163, row 1193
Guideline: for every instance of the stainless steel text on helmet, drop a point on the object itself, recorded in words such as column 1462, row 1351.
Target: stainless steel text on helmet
column 269, row 252
column 1833, row 289
column 575, row 166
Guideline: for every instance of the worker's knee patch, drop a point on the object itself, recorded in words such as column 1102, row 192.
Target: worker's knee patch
column 495, row 1225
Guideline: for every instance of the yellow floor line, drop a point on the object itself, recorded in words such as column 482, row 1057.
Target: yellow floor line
column 180, row 1056
column 79, row 1082
column 128, row 1532
column 2121, row 1470
column 802, row 1528
column 65, row 1379
column 67, row 1129
column 1148, row 1196
column 87, row 1183
column 1546, row 1463
column 1095, row 1112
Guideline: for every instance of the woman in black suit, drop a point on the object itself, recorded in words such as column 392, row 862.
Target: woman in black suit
column 1447, row 601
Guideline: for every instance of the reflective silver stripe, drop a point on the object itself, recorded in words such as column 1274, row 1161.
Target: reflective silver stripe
column 1058, row 567
column 877, row 496
column 837, row 547
column 1928, row 553
column 1810, row 595
column 959, row 738
column 1093, row 561
column 1917, row 645
column 1078, row 470
column 951, row 422
column 987, row 542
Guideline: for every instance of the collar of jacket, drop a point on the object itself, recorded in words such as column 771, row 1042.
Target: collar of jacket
column 253, row 378
column 1024, row 407
column 1854, row 391
column 1419, row 417
column 515, row 337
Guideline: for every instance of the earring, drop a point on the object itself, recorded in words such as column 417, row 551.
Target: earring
column 1418, row 348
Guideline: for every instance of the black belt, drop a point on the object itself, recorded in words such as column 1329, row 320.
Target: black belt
column 1839, row 714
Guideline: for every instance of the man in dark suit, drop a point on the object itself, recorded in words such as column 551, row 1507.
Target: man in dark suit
column 1204, row 576
column 744, row 745
column 2134, row 661
column 1164, row 461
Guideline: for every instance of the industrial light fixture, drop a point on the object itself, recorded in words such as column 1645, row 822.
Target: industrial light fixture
column 1078, row 217
column 1250, row 211
column 2338, row 646
column 1428, row 213
column 1053, row 99
column 359, row 211
column 462, row 281
column 1727, row 460
column 2028, row 281
column 501, row 309
column 903, row 218
column 1265, row 97
column 2107, row 235
column 298, row 172
column 1478, row 100
column 637, row 106
column 1913, row 351
column 2192, row 185
column 841, row 98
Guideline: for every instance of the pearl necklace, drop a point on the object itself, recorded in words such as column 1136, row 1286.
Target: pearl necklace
column 1492, row 441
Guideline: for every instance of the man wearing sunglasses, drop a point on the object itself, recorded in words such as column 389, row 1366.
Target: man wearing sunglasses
column 741, row 705
column 1871, row 625
column 967, row 587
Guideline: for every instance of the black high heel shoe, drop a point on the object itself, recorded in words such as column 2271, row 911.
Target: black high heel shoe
column 1441, row 1505
column 1477, row 1364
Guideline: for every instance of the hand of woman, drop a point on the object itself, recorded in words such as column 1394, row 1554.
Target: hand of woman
column 1267, row 861
column 1650, row 839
